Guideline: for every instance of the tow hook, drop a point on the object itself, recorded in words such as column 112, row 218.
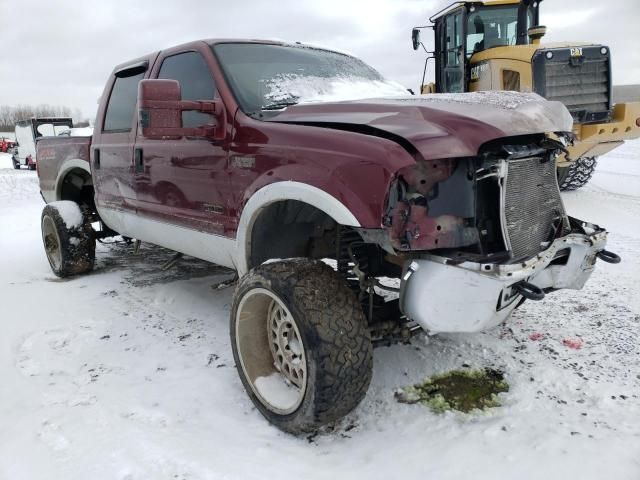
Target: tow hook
column 529, row 290
column 609, row 257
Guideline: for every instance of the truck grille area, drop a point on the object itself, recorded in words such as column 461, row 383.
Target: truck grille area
column 582, row 84
column 532, row 207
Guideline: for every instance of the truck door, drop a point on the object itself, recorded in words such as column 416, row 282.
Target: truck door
column 185, row 179
column 112, row 146
column 451, row 61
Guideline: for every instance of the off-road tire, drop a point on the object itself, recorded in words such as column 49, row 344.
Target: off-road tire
column 32, row 167
column 334, row 333
column 577, row 174
column 76, row 244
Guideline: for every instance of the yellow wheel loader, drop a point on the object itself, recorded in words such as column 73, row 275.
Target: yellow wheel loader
column 495, row 45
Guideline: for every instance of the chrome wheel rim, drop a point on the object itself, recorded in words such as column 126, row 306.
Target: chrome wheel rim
column 271, row 351
column 51, row 240
column 286, row 346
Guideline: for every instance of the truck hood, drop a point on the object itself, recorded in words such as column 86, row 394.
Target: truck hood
column 439, row 125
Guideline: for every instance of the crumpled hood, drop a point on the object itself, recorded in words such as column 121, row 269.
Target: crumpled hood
column 439, row 125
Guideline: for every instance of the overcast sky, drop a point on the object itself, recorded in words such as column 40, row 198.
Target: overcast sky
column 61, row 52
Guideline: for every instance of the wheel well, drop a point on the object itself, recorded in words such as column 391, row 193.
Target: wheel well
column 77, row 186
column 164, row 185
column 294, row 229
column 291, row 228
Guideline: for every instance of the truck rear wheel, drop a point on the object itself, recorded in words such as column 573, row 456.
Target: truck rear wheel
column 68, row 239
column 577, row 174
column 301, row 344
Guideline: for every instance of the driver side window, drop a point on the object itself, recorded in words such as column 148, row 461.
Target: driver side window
column 196, row 82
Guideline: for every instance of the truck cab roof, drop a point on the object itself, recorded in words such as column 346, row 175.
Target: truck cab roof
column 132, row 66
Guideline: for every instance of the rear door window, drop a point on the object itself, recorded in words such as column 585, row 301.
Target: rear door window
column 122, row 103
column 196, row 82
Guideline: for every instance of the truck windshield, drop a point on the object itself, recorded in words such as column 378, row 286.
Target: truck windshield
column 489, row 27
column 266, row 77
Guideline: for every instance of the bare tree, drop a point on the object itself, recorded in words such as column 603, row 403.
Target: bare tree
column 9, row 115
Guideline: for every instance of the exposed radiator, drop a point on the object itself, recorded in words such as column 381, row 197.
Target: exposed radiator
column 531, row 205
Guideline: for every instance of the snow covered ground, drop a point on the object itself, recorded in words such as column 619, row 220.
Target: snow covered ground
column 127, row 373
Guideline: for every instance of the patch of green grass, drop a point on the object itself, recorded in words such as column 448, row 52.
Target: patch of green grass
column 462, row 390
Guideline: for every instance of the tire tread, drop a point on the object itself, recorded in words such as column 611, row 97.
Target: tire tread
column 577, row 175
column 341, row 345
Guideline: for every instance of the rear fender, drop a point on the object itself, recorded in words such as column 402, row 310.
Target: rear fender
column 65, row 168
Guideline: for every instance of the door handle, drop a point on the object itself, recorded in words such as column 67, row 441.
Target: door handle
column 96, row 158
column 138, row 160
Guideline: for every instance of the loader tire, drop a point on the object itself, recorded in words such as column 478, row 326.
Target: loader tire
column 577, row 174
column 301, row 344
column 70, row 249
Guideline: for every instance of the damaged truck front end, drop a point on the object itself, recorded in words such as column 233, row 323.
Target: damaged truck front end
column 473, row 222
column 478, row 235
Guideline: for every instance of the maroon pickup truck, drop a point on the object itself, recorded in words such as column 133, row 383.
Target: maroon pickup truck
column 351, row 222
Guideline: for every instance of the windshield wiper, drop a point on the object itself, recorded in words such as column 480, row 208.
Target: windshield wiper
column 278, row 105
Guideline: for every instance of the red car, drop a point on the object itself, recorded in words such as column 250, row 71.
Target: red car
column 240, row 153
column 6, row 145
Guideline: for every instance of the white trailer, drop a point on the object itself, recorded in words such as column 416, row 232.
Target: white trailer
column 27, row 134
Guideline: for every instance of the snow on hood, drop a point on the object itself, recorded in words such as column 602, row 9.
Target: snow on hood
column 440, row 125
column 523, row 108
column 314, row 89
column 501, row 99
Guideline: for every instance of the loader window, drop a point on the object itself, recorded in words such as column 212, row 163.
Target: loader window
column 454, row 39
column 453, row 71
column 489, row 27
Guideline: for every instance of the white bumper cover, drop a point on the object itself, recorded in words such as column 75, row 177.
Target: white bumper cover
column 469, row 297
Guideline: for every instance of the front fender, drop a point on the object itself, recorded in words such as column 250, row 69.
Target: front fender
column 280, row 191
column 360, row 187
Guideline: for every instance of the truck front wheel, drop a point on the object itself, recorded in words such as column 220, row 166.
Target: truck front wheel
column 68, row 239
column 301, row 344
column 577, row 174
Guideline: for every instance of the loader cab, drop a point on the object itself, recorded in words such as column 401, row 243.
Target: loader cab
column 466, row 28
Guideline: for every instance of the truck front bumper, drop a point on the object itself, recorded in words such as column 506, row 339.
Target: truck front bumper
column 444, row 296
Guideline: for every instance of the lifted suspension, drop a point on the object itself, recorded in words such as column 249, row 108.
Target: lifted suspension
column 386, row 323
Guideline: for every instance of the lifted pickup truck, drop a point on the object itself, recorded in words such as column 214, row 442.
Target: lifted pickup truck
column 239, row 153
